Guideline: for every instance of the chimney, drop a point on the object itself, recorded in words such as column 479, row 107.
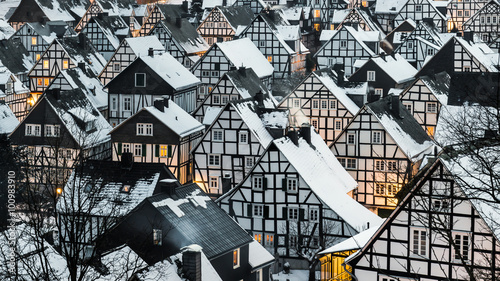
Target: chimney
column 81, row 40
column 294, row 137
column 44, row 20
column 168, row 186
column 191, row 259
column 166, row 101
column 224, row 3
column 394, row 105
column 158, row 104
column 371, row 95
column 469, row 36
column 127, row 161
column 232, row 67
column 242, row 70
column 340, row 74
column 151, row 52
column 226, row 183
column 178, row 22
column 81, row 65
column 259, row 97
column 185, row 6
column 56, row 92
column 272, row 14
column 305, row 132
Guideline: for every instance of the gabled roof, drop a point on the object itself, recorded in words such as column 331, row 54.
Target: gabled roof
column 82, row 52
column 115, row 7
column 8, row 121
column 243, row 52
column 396, row 67
column 51, row 30
column 356, row 242
column 186, row 36
column 246, row 82
column 389, row 6
column 237, row 15
column 482, row 53
column 100, row 185
column 477, row 14
column 439, row 86
column 340, row 17
column 171, row 10
column 403, row 128
column 114, row 28
column 14, row 56
column 326, row 177
column 359, row 35
column 295, row 13
column 66, row 10
column 330, row 80
column 87, row 82
column 141, row 45
column 195, row 216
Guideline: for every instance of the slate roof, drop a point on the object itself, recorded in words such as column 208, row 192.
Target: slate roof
column 51, row 30
column 141, row 45
column 113, row 27
column 186, row 36
column 246, row 82
column 88, row 54
column 330, row 81
column 202, row 222
column 117, row 7
column 237, row 15
column 402, row 127
column 66, row 10
column 14, row 56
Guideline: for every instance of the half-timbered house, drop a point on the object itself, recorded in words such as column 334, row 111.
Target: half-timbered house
column 420, row 10
column 279, row 41
column 68, row 11
column 222, row 56
column 181, row 40
column 237, row 137
column 222, row 23
column 346, row 46
column 124, row 8
column 36, row 37
column 385, row 12
column 398, row 35
column 126, row 53
column 106, row 33
column 445, row 229
column 381, row 148
column 15, row 58
column 459, row 12
column 184, row 218
column 255, row 5
column 62, row 127
column 385, row 72
column 241, row 83
column 146, row 79
column 323, row 101
column 301, row 16
column 485, row 24
column 159, row 12
column 295, row 205
column 163, row 133
column 462, row 55
column 355, row 17
column 14, row 93
column 322, row 11
column 64, row 53
column 422, row 43
column 424, row 99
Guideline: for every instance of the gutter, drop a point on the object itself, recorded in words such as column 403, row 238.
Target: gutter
column 348, row 272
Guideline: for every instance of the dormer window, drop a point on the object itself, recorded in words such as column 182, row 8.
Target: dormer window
column 126, row 188
column 89, row 125
column 144, row 129
column 140, row 79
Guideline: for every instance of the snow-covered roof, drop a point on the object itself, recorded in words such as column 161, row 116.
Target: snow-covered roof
column 404, row 129
column 141, row 45
column 237, row 15
column 246, row 82
column 51, row 30
column 258, row 256
column 483, row 53
column 171, row 71
column 114, row 28
column 186, row 36
column 243, row 52
column 6, row 30
column 339, row 16
column 389, row 6
column 8, row 121
column 396, row 67
column 327, row 34
column 438, row 86
column 175, row 118
column 115, row 7
column 356, row 242
column 328, row 79
column 211, row 114
column 79, row 54
column 326, row 177
column 293, row 13
column 15, row 57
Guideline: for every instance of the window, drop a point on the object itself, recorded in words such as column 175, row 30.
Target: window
column 218, row 135
column 293, row 241
column 215, row 73
column 52, row 130
column 45, row 64
column 138, row 150
column 351, row 138
column 157, row 237
column 37, row 57
column 461, row 247
column 379, row 165
column 317, row 13
column 324, row 104
column 127, row 104
column 116, row 67
column 248, row 162
column 376, row 137
column 333, row 104
column 370, row 75
column 257, row 237
column 407, row 106
column 262, row 43
column 467, row 68
column 293, row 213
column 257, row 182
column 224, row 99
column 315, row 104
column 243, row 137
column 258, row 210
column 338, row 125
column 343, row 44
column 392, row 189
column 126, row 147
column 314, row 214
column 236, row 258
column 215, row 99
column 314, row 123
column 348, row 163
column 459, row 13
column 392, row 166
column 269, row 242
column 65, row 64
column 380, row 189
column 46, row 81
column 214, row 160
column 467, row 13
column 431, row 107
column 418, row 8
column 144, row 129
column 126, row 188
column 33, row 130
column 379, row 91
column 419, row 242
column 430, row 52
column 296, row 103
column 33, row 40
column 410, row 45
column 39, row 81
column 488, row 20
column 270, row 58
column 205, row 73
column 213, row 183
column 441, row 205
column 140, row 79
column 165, row 150
column 291, row 185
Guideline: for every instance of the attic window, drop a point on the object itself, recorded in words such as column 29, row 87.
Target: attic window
column 418, row 8
column 126, row 188
column 65, row 64
column 140, row 79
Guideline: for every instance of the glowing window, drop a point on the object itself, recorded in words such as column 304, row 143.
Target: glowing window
column 45, row 64
column 33, row 40
column 317, row 13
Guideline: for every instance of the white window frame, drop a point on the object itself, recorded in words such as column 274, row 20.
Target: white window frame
column 315, row 104
column 343, row 44
column 218, row 135
column 213, row 183
column 116, row 67
column 379, row 188
column 376, row 137
column 464, row 250
column 419, row 242
column 257, row 210
column 33, row 130
column 370, row 75
column 379, row 91
column 144, row 129
column 52, row 130
column 324, row 104
column 257, row 182
column 338, row 124
column 126, row 147
column 313, row 214
column 332, row 104
column 292, row 213
column 379, row 165
column 243, row 137
column 348, row 138
column 292, row 185
column 215, row 99
column 127, row 104
column 431, row 107
column 138, row 150
column 249, row 162
column 214, row 160
column 296, row 103
column 236, row 258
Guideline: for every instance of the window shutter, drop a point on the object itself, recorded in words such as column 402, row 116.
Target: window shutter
column 157, row 150
column 266, row 212
column 144, row 149
column 169, row 151
column 284, row 213
column 283, row 184
column 249, row 210
column 120, row 148
column 264, row 183
column 301, row 214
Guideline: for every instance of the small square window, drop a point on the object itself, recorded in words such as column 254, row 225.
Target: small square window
column 216, row 99
column 33, row 40
column 218, row 135
column 343, row 44
column 214, row 160
column 418, row 8
column 243, row 137
column 292, row 185
column 45, row 64
column 431, row 107
column 257, row 182
column 116, row 67
column 296, row 103
column 140, row 79
column 249, row 162
column 293, row 213
column 351, row 138
column 258, row 210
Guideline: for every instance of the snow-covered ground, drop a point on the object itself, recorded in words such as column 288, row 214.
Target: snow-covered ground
column 5, row 5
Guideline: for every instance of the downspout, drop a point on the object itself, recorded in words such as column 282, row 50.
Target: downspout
column 348, row 272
